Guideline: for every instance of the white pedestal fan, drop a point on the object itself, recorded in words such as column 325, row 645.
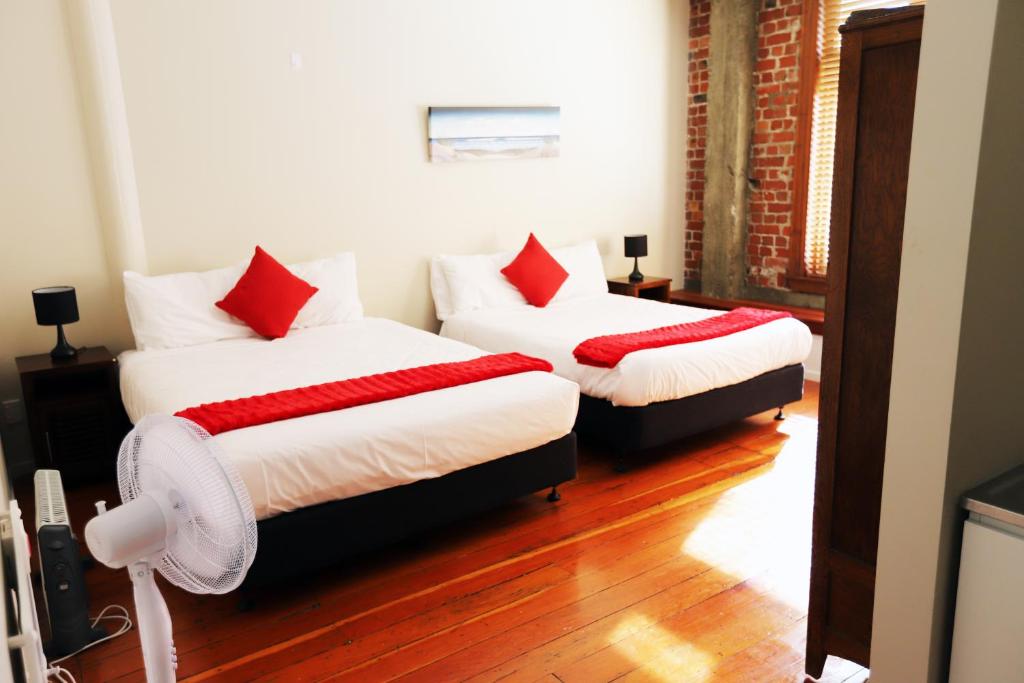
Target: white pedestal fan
column 185, row 513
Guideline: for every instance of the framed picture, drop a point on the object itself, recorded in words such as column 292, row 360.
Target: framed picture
column 479, row 133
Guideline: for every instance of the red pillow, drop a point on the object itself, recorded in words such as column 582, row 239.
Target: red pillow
column 267, row 297
column 536, row 273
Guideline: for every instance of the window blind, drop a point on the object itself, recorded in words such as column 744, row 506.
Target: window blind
column 831, row 15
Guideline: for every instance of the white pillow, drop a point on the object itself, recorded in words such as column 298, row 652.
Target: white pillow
column 469, row 283
column 170, row 311
column 586, row 271
column 476, row 282
column 439, row 289
column 338, row 298
column 175, row 310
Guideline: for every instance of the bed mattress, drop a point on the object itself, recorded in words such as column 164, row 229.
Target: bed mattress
column 305, row 461
column 642, row 377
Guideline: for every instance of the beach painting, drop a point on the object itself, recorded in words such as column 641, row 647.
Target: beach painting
column 479, row 133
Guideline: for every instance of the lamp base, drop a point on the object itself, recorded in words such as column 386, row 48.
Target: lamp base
column 636, row 275
column 63, row 350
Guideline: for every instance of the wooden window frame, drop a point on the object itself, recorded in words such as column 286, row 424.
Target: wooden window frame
column 797, row 279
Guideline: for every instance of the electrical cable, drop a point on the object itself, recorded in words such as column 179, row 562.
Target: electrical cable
column 59, row 672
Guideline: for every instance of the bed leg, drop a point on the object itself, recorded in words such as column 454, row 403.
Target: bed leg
column 554, row 496
column 621, row 464
column 246, row 603
column 781, row 415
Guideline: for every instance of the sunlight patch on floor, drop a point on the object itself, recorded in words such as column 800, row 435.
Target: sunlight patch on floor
column 762, row 528
column 660, row 653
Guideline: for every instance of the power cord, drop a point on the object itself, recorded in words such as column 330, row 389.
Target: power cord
column 63, row 675
column 60, row 673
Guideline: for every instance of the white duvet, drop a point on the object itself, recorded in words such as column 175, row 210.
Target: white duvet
column 304, row 461
column 642, row 377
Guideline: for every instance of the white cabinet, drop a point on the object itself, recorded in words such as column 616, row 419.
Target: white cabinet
column 988, row 633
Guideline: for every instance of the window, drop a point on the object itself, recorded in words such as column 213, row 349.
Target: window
column 823, row 42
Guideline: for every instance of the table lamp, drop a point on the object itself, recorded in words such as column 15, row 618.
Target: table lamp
column 57, row 306
column 636, row 246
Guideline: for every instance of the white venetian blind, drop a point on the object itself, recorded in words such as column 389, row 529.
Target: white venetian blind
column 832, row 14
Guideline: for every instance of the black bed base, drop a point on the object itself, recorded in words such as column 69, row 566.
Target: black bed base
column 315, row 537
column 626, row 430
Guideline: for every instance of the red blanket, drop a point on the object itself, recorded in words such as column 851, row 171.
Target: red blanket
column 224, row 416
column 607, row 351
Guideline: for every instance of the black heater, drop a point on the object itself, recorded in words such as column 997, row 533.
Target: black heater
column 60, row 570
column 57, row 306
column 636, row 246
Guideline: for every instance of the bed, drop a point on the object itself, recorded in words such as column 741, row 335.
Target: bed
column 330, row 485
column 651, row 397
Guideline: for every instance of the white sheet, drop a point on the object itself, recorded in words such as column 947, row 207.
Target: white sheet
column 642, row 377
column 305, row 461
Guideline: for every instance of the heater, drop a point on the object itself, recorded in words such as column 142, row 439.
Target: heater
column 60, row 565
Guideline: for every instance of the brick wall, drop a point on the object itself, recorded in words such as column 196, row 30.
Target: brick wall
column 776, row 81
column 696, row 135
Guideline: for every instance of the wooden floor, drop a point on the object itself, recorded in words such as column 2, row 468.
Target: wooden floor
column 691, row 567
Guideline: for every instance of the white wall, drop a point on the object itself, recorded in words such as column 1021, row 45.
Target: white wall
column 49, row 227
column 812, row 366
column 956, row 403
column 233, row 147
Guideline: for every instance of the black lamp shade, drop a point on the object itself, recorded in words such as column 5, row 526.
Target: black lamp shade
column 636, row 245
column 55, row 305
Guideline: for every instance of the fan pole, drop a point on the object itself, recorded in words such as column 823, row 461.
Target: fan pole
column 154, row 623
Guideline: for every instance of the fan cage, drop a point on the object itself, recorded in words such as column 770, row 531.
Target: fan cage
column 215, row 541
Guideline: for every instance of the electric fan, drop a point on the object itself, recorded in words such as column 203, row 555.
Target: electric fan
column 185, row 513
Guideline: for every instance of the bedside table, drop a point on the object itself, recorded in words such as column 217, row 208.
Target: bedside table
column 74, row 413
column 656, row 288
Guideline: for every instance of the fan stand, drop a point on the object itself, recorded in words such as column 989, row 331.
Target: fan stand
column 141, row 533
column 154, row 622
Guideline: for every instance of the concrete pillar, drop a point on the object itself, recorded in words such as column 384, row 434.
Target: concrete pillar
column 732, row 57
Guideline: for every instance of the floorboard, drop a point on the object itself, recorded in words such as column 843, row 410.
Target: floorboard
column 693, row 566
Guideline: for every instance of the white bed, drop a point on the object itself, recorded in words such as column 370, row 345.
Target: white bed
column 300, row 462
column 193, row 353
column 642, row 377
column 478, row 306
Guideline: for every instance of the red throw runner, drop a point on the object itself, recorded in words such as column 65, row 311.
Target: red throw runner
column 607, row 351
column 224, row 416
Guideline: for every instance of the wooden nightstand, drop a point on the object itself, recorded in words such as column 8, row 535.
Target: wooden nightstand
column 656, row 288
column 74, row 413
